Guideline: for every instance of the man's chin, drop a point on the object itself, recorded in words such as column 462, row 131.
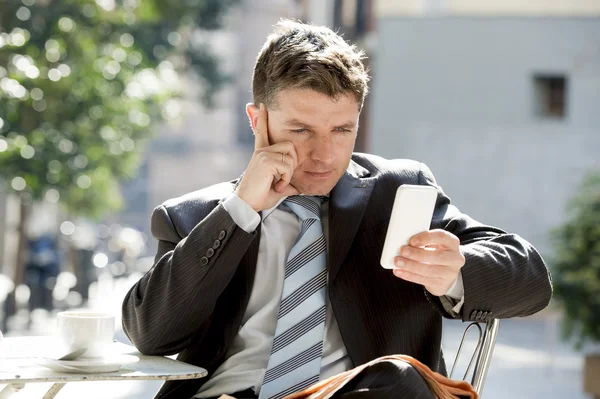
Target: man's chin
column 314, row 189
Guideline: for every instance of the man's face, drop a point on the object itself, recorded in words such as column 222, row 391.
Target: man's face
column 323, row 131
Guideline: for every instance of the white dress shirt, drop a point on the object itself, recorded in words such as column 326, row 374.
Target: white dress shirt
column 247, row 358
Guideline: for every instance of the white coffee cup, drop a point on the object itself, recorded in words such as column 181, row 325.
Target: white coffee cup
column 86, row 329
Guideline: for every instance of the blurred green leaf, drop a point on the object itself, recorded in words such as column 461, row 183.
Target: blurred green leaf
column 83, row 83
column 576, row 263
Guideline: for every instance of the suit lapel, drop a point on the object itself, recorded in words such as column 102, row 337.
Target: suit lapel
column 348, row 201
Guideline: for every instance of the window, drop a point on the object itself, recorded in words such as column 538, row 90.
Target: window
column 352, row 17
column 550, row 95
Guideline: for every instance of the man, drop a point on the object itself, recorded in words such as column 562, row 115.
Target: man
column 272, row 282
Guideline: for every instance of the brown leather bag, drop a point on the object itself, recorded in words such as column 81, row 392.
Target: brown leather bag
column 442, row 387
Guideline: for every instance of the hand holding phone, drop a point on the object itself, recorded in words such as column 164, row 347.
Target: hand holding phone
column 436, row 260
column 411, row 214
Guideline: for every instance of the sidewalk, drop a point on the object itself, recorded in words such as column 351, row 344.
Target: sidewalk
column 530, row 360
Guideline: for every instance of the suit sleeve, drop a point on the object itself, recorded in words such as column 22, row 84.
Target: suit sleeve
column 503, row 276
column 172, row 303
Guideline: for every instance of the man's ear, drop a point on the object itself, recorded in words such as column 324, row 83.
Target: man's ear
column 252, row 112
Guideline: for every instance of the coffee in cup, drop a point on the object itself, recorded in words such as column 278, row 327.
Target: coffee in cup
column 91, row 330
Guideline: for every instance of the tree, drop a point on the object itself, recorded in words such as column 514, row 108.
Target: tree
column 576, row 264
column 83, row 82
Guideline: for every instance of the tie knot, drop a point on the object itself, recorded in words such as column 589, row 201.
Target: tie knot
column 305, row 207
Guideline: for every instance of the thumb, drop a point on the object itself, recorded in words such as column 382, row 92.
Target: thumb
column 290, row 190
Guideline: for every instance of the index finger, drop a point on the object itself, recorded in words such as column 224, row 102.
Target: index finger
column 261, row 131
column 437, row 236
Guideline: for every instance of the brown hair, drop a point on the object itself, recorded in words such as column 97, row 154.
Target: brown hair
column 303, row 56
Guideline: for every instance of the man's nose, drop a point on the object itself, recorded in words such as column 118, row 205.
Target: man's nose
column 323, row 150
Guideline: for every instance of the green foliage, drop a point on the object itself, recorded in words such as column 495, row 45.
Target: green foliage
column 82, row 84
column 576, row 266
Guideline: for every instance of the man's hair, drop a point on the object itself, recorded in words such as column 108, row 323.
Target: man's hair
column 303, row 56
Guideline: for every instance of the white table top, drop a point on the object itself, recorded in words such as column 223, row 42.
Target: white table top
column 18, row 364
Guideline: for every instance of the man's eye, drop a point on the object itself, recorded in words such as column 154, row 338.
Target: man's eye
column 342, row 130
column 299, row 130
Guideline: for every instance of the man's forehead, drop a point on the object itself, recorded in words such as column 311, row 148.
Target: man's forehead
column 307, row 106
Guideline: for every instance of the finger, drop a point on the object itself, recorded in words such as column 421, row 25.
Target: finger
column 261, row 132
column 435, row 287
column 272, row 165
column 440, row 256
column 278, row 156
column 285, row 147
column 281, row 186
column 283, row 173
column 435, row 237
column 425, row 270
column 290, row 190
column 415, row 278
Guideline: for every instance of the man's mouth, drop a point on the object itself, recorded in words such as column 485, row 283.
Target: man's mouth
column 320, row 174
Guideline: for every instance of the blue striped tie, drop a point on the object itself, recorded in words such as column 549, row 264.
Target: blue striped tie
column 295, row 361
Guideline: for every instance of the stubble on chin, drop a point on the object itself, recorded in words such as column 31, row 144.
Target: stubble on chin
column 308, row 188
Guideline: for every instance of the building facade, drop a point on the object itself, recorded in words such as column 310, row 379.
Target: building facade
column 500, row 99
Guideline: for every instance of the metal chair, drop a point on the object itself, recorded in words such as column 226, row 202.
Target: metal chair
column 482, row 356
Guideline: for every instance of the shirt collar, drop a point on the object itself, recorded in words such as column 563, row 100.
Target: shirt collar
column 265, row 214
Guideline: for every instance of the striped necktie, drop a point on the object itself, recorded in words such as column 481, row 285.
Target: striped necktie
column 295, row 360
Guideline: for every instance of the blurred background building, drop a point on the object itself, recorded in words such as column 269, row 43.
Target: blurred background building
column 500, row 98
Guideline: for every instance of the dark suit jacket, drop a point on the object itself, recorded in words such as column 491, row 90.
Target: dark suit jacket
column 192, row 301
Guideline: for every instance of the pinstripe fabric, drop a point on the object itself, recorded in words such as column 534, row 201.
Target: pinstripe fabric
column 295, row 361
column 182, row 306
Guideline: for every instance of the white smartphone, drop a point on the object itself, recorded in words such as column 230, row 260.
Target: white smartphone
column 411, row 214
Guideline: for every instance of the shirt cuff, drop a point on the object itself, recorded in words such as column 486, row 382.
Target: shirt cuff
column 455, row 297
column 457, row 291
column 242, row 214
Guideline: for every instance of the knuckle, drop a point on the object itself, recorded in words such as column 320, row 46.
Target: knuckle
column 292, row 150
column 440, row 234
column 263, row 159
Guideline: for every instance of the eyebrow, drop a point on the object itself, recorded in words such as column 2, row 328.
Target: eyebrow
column 298, row 122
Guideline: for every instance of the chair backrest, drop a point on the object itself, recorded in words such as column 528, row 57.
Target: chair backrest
column 482, row 356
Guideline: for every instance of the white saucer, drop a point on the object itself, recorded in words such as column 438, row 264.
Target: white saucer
column 107, row 364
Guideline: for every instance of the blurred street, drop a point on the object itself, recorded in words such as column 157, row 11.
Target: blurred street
column 530, row 360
